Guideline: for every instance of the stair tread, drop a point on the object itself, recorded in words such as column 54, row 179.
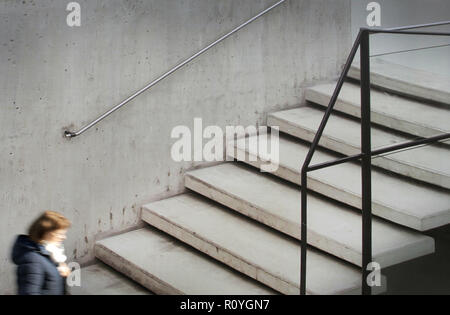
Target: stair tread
column 406, row 80
column 408, row 203
column 100, row 279
column 428, row 163
column 403, row 114
column 252, row 248
column 333, row 228
column 168, row 266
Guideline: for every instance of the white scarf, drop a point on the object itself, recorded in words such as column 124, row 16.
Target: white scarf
column 56, row 252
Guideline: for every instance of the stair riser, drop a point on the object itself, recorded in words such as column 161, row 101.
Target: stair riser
column 287, row 227
column 318, row 240
column 122, row 265
column 220, row 254
column 278, row 223
column 238, row 264
column 167, row 266
column 387, row 163
column 403, row 88
column 377, row 118
column 347, row 197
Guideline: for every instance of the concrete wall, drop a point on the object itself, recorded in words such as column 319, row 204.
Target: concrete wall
column 53, row 76
column 396, row 13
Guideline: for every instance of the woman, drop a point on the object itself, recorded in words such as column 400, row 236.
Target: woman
column 40, row 256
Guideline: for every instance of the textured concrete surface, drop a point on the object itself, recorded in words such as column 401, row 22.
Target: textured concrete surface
column 399, row 113
column 408, row 203
column 407, row 80
column 343, row 135
column 100, row 279
column 167, row 266
column 396, row 48
column 257, row 251
column 53, row 76
column 333, row 228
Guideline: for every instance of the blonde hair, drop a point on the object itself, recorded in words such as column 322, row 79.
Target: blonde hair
column 49, row 221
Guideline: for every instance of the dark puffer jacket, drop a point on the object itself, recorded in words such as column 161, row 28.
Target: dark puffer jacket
column 37, row 274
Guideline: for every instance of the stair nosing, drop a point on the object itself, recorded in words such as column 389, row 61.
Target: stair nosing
column 324, row 242
column 294, row 287
column 108, row 252
column 344, row 147
column 218, row 248
column 388, row 120
column 381, row 209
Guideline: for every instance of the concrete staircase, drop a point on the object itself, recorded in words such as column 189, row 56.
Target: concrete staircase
column 237, row 231
column 167, row 266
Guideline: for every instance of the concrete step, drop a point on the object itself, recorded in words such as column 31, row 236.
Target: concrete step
column 399, row 113
column 409, row 203
column 406, row 80
column 333, row 228
column 100, row 279
column 167, row 266
column 251, row 248
column 428, row 164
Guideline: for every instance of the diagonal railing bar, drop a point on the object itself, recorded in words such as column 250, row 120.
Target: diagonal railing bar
column 309, row 156
column 409, row 27
column 409, row 32
column 382, row 151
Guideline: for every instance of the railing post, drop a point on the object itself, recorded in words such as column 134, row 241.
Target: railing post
column 304, row 233
column 366, row 163
column 307, row 161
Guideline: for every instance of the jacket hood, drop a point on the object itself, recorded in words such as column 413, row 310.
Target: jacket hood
column 24, row 245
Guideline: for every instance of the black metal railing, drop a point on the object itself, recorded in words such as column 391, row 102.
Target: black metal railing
column 363, row 44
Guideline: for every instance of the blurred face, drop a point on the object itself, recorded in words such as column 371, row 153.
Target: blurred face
column 56, row 237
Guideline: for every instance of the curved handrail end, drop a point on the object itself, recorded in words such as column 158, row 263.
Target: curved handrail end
column 69, row 134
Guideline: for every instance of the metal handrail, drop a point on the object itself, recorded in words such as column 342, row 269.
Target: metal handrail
column 69, row 134
column 362, row 43
column 402, row 28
